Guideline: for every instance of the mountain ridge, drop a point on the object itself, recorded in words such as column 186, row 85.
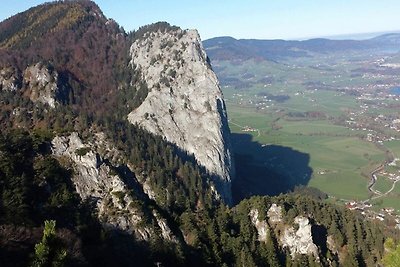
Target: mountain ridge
column 223, row 48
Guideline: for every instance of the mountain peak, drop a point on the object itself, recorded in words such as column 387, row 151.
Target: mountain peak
column 21, row 30
column 184, row 103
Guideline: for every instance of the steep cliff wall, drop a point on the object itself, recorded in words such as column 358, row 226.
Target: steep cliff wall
column 184, row 103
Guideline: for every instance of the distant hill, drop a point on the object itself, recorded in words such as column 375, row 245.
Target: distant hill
column 387, row 40
column 226, row 48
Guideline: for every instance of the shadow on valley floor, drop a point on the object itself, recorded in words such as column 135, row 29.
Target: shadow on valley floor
column 267, row 169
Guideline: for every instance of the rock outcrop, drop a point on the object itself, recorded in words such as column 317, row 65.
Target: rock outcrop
column 275, row 214
column 184, row 103
column 42, row 83
column 299, row 241
column 297, row 237
column 9, row 79
column 96, row 179
column 261, row 225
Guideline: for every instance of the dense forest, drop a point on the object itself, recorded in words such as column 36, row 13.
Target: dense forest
column 43, row 221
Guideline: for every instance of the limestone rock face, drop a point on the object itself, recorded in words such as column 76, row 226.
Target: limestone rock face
column 261, row 225
column 275, row 214
column 95, row 179
column 9, row 79
column 184, row 103
column 300, row 241
column 297, row 237
column 42, row 83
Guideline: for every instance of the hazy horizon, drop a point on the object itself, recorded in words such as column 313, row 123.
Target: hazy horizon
column 349, row 36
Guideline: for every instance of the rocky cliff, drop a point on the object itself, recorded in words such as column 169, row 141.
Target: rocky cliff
column 39, row 82
column 42, row 82
column 184, row 103
column 296, row 237
column 97, row 178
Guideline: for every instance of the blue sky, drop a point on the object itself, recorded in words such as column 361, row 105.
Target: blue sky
column 260, row 19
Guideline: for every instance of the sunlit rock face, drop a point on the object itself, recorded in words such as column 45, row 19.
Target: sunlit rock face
column 42, row 83
column 296, row 237
column 300, row 241
column 184, row 103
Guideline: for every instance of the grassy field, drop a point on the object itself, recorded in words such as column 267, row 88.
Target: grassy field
column 383, row 184
column 387, row 202
column 394, row 147
column 345, row 185
column 338, row 158
column 396, row 191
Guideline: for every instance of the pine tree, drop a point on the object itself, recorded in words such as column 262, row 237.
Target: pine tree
column 49, row 251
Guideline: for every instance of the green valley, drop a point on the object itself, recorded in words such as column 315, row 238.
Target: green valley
column 336, row 108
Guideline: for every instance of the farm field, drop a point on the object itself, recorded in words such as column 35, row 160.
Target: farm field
column 383, row 184
column 337, row 156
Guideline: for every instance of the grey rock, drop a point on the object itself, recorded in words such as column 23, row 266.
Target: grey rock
column 9, row 79
column 95, row 180
column 184, row 104
column 299, row 241
column 261, row 225
column 42, row 83
column 275, row 214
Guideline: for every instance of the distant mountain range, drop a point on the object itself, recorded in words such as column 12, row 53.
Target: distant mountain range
column 354, row 36
column 228, row 48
